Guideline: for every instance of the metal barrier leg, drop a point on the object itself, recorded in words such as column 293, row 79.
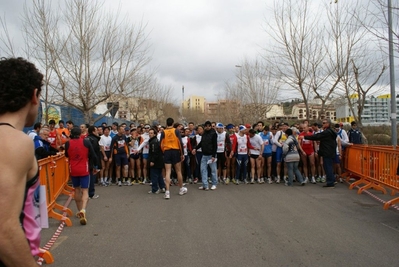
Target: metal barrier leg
column 60, row 217
column 62, row 208
column 390, row 203
column 358, row 182
column 374, row 186
column 46, row 255
column 67, row 190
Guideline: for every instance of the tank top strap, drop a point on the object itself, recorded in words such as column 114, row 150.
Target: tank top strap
column 6, row 124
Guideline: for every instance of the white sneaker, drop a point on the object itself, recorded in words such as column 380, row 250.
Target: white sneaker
column 269, row 180
column 167, row 195
column 120, row 183
column 278, row 180
column 306, row 180
column 313, row 180
column 163, row 190
column 262, row 181
column 183, row 191
column 213, row 187
column 252, row 181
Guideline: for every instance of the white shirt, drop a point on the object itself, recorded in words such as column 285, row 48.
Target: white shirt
column 257, row 143
column 105, row 141
column 221, row 142
column 242, row 144
column 145, row 145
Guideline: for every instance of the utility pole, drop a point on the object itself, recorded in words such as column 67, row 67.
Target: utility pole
column 392, row 78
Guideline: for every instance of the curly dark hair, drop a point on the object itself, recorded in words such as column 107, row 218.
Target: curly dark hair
column 18, row 80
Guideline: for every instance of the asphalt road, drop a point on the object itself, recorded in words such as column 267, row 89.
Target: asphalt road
column 245, row 225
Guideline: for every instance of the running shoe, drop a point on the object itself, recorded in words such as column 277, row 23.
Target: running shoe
column 82, row 217
column 167, row 195
column 313, row 180
column 306, row 180
column 269, row 180
column 213, row 187
column 252, row 181
column 183, row 191
column 227, row 181
column 203, row 188
column 323, row 179
column 278, row 180
column 119, row 183
column 318, row 180
column 195, row 180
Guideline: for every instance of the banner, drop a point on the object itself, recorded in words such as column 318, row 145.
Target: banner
column 53, row 112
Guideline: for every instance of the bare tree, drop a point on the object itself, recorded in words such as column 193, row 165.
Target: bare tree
column 293, row 30
column 255, row 90
column 343, row 39
column 94, row 55
column 38, row 43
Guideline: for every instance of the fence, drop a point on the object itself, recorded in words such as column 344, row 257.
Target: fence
column 375, row 167
column 54, row 175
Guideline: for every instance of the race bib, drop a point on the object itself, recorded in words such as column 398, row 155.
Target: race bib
column 220, row 148
column 242, row 149
column 121, row 143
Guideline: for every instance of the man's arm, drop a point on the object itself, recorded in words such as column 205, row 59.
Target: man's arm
column 16, row 168
column 93, row 159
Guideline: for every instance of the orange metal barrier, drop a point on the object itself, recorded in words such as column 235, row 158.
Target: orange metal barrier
column 375, row 166
column 54, row 174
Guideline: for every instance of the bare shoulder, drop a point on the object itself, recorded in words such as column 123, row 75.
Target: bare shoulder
column 17, row 157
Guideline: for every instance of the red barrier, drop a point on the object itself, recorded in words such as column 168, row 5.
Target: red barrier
column 375, row 167
column 54, row 174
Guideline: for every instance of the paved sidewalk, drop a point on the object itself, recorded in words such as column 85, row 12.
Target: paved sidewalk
column 245, row 225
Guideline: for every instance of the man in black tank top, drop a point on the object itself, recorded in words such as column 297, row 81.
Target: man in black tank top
column 20, row 86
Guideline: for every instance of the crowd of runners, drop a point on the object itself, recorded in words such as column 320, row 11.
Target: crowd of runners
column 210, row 154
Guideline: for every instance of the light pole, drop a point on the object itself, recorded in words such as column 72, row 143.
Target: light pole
column 392, row 78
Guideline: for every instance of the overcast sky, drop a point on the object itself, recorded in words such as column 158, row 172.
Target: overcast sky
column 198, row 43
column 194, row 43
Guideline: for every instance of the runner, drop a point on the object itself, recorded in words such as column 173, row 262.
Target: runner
column 20, row 86
column 266, row 159
column 172, row 148
column 254, row 156
column 105, row 147
column 120, row 152
column 81, row 157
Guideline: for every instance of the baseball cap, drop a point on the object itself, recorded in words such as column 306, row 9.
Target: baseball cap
column 248, row 126
column 229, row 126
column 219, row 125
column 242, row 128
column 147, row 126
